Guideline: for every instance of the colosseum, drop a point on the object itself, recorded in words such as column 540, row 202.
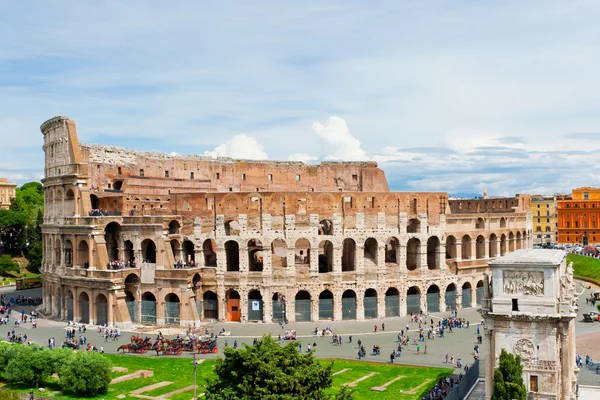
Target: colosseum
column 147, row 238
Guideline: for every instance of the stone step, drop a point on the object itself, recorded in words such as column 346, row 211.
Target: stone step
column 359, row 380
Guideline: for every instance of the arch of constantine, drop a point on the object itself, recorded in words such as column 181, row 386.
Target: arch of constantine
column 132, row 237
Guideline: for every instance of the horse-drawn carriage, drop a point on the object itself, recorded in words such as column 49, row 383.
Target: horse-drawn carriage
column 208, row 346
column 591, row 316
column 70, row 344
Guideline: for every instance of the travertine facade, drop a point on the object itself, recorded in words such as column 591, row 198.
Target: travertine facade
column 267, row 239
column 530, row 311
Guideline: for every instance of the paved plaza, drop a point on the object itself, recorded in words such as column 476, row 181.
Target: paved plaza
column 460, row 343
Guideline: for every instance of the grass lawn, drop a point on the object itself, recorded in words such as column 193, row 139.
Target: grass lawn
column 179, row 371
column 587, row 267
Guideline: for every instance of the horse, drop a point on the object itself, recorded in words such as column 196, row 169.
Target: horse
column 125, row 347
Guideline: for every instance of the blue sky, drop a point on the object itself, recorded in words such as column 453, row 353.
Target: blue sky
column 445, row 95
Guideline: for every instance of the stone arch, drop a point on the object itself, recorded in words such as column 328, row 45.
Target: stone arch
column 94, row 202
column 325, row 256
column 232, row 253
column 518, row 241
column 502, row 244
column 392, row 302
column 433, row 249
column 480, row 224
column 112, row 237
column 255, row 305
column 176, row 249
column 232, row 299
column 391, row 251
column 348, row 255
column 68, row 253
column 172, row 309
column 174, row 227
column 511, row 241
column 302, row 252
column 149, row 251
column 433, row 298
column 148, row 308
column 370, row 251
column 279, row 253
column 117, row 185
column 370, row 303
column 413, row 254
column 83, row 254
column 349, row 305
column 303, row 306
column 279, row 303
column 232, row 228
column 189, row 252
column 325, row 227
column 326, row 305
column 69, row 204
column 465, row 248
column 466, row 294
column 450, row 297
column 450, row 248
column 493, row 246
column 502, row 222
column 209, row 247
column 414, row 226
column 196, row 280
column 255, row 255
column 129, row 253
column 480, row 247
column 132, row 279
column 413, row 300
column 84, row 308
column 479, row 292
column 210, row 306
column 101, row 310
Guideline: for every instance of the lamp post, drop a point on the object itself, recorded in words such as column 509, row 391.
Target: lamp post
column 195, row 385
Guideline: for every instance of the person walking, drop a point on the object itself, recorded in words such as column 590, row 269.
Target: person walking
column 452, row 359
column 446, row 358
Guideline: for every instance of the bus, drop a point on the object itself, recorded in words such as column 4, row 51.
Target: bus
column 29, row 283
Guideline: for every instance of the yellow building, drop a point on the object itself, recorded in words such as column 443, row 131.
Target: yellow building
column 7, row 192
column 545, row 219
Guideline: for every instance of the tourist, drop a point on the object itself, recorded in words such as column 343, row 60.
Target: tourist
column 392, row 356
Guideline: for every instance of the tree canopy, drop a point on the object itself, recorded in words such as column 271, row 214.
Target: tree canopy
column 508, row 378
column 269, row 371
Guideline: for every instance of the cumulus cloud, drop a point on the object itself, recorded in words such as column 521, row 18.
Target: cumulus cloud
column 301, row 157
column 337, row 141
column 240, row 146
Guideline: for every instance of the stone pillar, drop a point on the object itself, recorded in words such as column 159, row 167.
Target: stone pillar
column 244, row 305
column 443, row 301
column 442, row 256
column 490, row 357
column 486, row 248
column 473, row 297
column 360, row 306
column 313, row 257
column 267, row 305
column 243, row 258
column 199, row 257
column 422, row 256
column 76, row 305
column 381, row 303
column 110, row 315
column 403, row 306
column 337, row 259
column 92, row 308
column 565, row 367
column 474, row 249
column 458, row 251
column 222, row 300
column 359, row 258
column 221, row 260
column 92, row 252
column 290, row 309
column 314, row 308
column 337, row 306
column 458, row 298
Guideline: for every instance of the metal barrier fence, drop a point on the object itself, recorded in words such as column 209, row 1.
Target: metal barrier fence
column 459, row 392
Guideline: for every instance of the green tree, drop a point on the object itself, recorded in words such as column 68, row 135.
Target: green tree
column 508, row 378
column 35, row 256
column 31, row 365
column 12, row 224
column 269, row 371
column 8, row 265
column 85, row 374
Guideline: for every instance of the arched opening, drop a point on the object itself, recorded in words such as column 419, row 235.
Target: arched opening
column 518, row 241
column 493, row 246
column 210, row 253
column 210, row 309
column 232, row 253
column 433, row 249
column 303, row 306
column 503, row 244
column 132, row 279
column 392, row 303
column 370, row 252
column 117, row 185
column 325, row 227
column 511, row 241
column 450, row 297
column 84, row 308
column 502, row 222
column 129, row 251
column 279, row 303
column 480, row 247
column 255, row 255
column 69, row 203
column 370, row 303
column 189, row 252
column 450, row 248
column 279, row 253
column 480, row 224
column 174, row 227
column 413, row 254
column 466, row 294
column 232, row 228
column 172, row 309
column 101, row 310
column 149, row 251
column 479, row 292
column 391, row 251
column 83, row 254
column 302, row 253
column 465, row 247
column 413, row 300
column 69, row 301
column 255, row 306
column 233, row 306
column 177, row 251
column 196, row 280
column 414, row 226
column 325, row 256
column 349, row 305
column 326, row 305
column 433, row 299
column 57, row 252
column 112, row 233
column 148, row 308
column 68, row 257
column 95, row 203
column 132, row 306
column 348, row 255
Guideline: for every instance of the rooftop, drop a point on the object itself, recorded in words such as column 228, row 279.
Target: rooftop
column 534, row 257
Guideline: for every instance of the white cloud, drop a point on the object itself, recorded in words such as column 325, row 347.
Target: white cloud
column 301, row 157
column 240, row 146
column 337, row 141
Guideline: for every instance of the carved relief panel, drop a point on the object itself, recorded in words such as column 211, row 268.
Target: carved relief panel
column 524, row 282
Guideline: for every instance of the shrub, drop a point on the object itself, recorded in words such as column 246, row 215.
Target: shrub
column 31, row 364
column 85, row 374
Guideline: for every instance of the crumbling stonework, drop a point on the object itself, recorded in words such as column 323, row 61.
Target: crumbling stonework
column 268, row 240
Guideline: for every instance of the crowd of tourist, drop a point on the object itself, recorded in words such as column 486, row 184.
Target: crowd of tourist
column 184, row 264
column 98, row 212
column 121, row 264
column 443, row 387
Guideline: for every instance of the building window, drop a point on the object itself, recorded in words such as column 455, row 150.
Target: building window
column 585, row 224
column 515, row 304
column 538, row 213
column 297, row 178
column 119, row 171
column 533, row 383
column 217, row 176
column 539, row 220
column 568, row 239
column 243, row 177
column 539, row 236
column 270, row 176
column 231, row 189
column 166, row 174
column 354, row 177
column 141, row 172
column 586, row 196
column 547, row 220
column 547, row 205
column 191, row 175
column 538, row 206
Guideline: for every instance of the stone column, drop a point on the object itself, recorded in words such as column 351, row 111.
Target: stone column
column 76, row 305
column 458, row 250
column 381, row 256
column 222, row 301
column 337, row 306
column 473, row 297
column 314, row 308
column 443, row 301
column 565, row 357
column 422, row 256
column 110, row 315
column 474, row 249
column 490, row 364
column 442, row 256
column 244, row 305
column 458, row 298
column 403, row 306
column 337, row 261
column 486, row 248
column 313, row 257
column 267, row 305
column 243, row 258
column 359, row 259
column 199, row 257
column 290, row 309
column 360, row 306
column 381, row 303
column 221, row 260
column 92, row 253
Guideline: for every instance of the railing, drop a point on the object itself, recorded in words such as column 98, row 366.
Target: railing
column 460, row 391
